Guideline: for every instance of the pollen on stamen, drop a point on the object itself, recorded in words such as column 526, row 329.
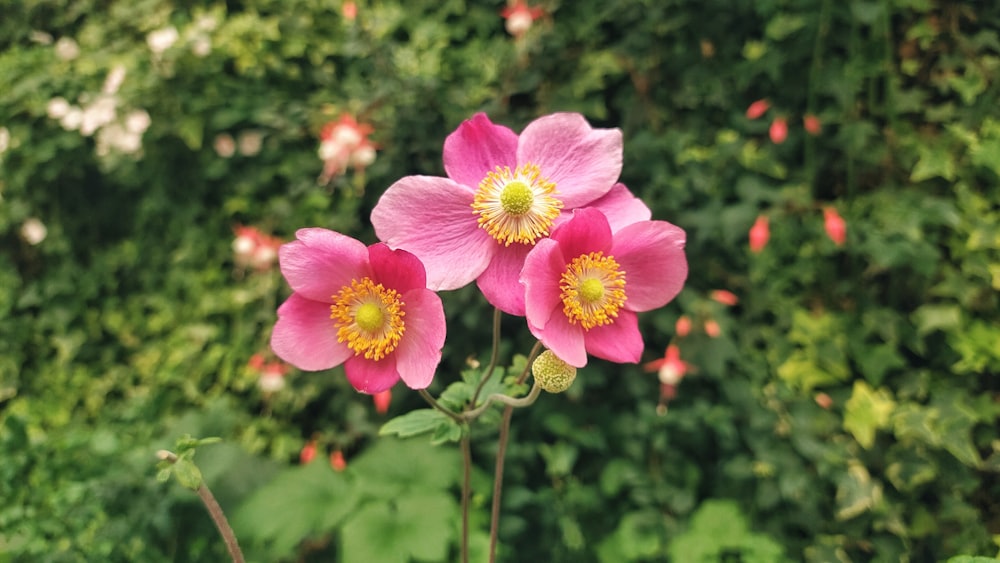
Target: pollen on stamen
column 516, row 206
column 592, row 290
column 369, row 318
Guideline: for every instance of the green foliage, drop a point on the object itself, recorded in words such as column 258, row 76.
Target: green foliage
column 847, row 412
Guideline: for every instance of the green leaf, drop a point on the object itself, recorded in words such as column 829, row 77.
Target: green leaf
column 929, row 318
column 187, row 473
column 934, row 162
column 718, row 528
column 856, row 492
column 866, row 411
column 783, row 25
column 416, row 422
column 417, row 526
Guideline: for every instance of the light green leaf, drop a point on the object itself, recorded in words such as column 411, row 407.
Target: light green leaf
column 866, row 411
column 187, row 473
column 416, row 422
column 934, row 162
column 856, row 492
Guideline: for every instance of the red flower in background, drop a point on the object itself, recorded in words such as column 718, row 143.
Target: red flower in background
column 520, row 17
column 308, row 452
column 760, row 233
column 725, row 297
column 337, row 461
column 683, row 326
column 272, row 374
column 382, row 400
column 670, row 368
column 758, row 108
column 350, row 10
column 811, row 124
column 836, row 227
column 712, row 328
column 344, row 143
column 779, row 130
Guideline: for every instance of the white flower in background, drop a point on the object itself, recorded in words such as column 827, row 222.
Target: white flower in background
column 72, row 120
column 97, row 115
column 114, row 80
column 33, row 231
column 114, row 137
column 41, row 37
column 4, row 140
column 137, row 121
column 224, row 145
column 201, row 46
column 363, row 156
column 162, row 39
column 57, row 108
column 206, row 23
column 67, row 49
column 250, row 142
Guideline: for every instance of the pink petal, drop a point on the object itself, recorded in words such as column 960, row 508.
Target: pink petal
column 619, row 342
column 621, row 208
column 419, row 351
column 500, row 284
column 582, row 161
column 396, row 269
column 321, row 262
column 432, row 218
column 542, row 271
column 306, row 337
column 651, row 254
column 369, row 376
column 564, row 339
column 587, row 231
column 477, row 147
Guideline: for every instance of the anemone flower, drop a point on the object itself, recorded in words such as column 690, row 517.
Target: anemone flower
column 504, row 193
column 367, row 308
column 585, row 284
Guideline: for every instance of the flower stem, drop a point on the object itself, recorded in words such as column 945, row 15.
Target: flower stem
column 501, row 455
column 494, row 355
column 433, row 402
column 466, row 491
column 505, row 399
column 215, row 511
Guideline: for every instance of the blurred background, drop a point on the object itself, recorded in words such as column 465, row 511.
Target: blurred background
column 834, row 388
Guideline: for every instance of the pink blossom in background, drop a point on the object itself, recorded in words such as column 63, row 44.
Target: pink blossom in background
column 254, row 249
column 760, row 233
column 367, row 308
column 585, row 284
column 670, row 368
column 758, row 108
column 836, row 227
column 350, row 10
column 778, row 130
column 811, row 124
column 824, row 401
column 272, row 374
column 712, row 328
column 504, row 193
column 344, row 143
column 308, row 452
column 683, row 326
column 337, row 461
column 520, row 17
column 727, row 298
column 382, row 400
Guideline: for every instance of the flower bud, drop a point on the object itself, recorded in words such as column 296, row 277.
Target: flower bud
column 779, row 130
column 760, row 233
column 758, row 109
column 551, row 373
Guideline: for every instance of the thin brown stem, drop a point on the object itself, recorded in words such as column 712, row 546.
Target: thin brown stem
column 501, row 456
column 494, row 357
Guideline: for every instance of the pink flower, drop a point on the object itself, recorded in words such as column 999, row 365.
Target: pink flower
column 382, row 400
column 503, row 194
column 760, row 233
column 778, row 130
column 345, row 143
column 367, row 308
column 252, row 248
column 823, row 400
column 758, row 109
column 683, row 326
column 272, row 374
column 712, row 328
column 670, row 368
column 836, row 227
column 337, row 461
column 811, row 124
column 585, row 284
column 520, row 17
column 727, row 298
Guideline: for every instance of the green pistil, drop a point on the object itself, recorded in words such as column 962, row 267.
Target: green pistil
column 516, row 198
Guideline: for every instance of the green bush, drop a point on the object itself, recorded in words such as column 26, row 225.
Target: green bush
column 848, row 410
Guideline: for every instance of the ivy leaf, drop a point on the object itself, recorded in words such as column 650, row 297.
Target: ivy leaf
column 866, row 411
column 934, row 162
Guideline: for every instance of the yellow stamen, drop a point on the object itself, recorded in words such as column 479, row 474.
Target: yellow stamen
column 593, row 290
column 516, row 206
column 369, row 318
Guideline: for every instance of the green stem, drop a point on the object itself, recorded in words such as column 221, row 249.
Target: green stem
column 501, row 455
column 494, row 355
column 525, row 401
column 433, row 402
column 466, row 490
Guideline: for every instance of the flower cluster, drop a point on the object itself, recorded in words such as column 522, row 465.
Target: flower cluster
column 345, row 143
column 254, row 249
column 538, row 220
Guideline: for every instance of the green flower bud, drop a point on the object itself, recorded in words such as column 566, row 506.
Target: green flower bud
column 551, row 373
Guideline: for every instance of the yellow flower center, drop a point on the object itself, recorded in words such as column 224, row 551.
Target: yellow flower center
column 593, row 290
column 369, row 318
column 516, row 206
